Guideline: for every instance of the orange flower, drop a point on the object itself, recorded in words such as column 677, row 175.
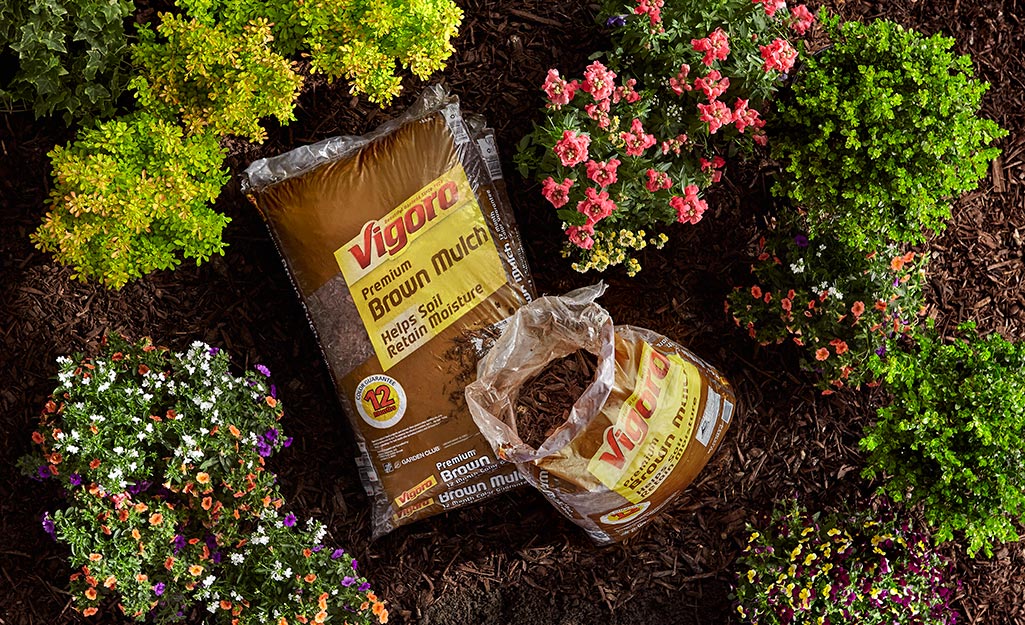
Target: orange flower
column 310, row 578
column 156, row 519
column 282, row 621
column 207, row 502
column 203, row 478
column 169, row 563
column 821, row 353
column 171, row 414
column 122, row 515
column 897, row 263
column 234, row 431
column 141, row 507
column 55, row 458
column 136, row 535
column 95, row 557
column 95, row 464
column 380, row 613
column 756, row 292
column 143, row 369
column 858, row 308
column 840, row 346
column 307, row 552
column 37, row 438
column 322, row 601
column 141, row 577
column 89, row 611
column 225, row 604
column 880, row 305
column 371, row 596
column 110, row 582
column 271, row 401
column 910, row 256
column 195, row 570
column 90, row 594
column 320, row 617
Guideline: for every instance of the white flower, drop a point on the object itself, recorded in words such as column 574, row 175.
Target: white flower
column 236, row 558
column 212, row 607
column 209, row 580
column 72, row 449
column 75, row 435
column 119, row 450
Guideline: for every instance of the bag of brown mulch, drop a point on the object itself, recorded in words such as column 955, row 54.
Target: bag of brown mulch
column 609, row 422
column 404, row 251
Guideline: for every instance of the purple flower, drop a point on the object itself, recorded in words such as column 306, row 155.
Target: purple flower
column 355, row 565
column 178, row 543
column 217, row 557
column 158, row 588
column 75, row 479
column 365, row 586
column 289, row 520
column 213, row 351
column 801, row 240
column 616, row 20
column 273, row 391
column 337, row 553
column 318, row 548
column 881, row 350
column 210, row 541
column 264, row 449
column 48, row 525
column 288, row 442
column 271, row 435
column 262, row 369
column 43, row 472
column 348, row 580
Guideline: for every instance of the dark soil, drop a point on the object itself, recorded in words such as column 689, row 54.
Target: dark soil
column 546, row 399
column 514, row 559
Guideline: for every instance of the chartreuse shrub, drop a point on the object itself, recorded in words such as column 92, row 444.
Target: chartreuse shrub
column 839, row 305
column 953, row 438
column 131, row 196
column 362, row 40
column 71, row 55
column 161, row 455
column 866, row 567
column 234, row 15
column 881, row 132
column 213, row 78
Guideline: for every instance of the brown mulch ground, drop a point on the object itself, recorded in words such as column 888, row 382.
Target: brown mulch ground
column 546, row 399
column 513, row 559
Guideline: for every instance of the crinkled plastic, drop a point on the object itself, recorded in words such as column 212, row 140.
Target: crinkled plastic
column 637, row 435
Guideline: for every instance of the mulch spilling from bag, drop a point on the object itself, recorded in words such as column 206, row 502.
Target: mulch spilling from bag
column 547, row 398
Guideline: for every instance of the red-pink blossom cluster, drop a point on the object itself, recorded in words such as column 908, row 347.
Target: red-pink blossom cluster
column 716, row 114
column 803, row 19
column 556, row 193
column 599, row 81
column 595, row 206
column 715, row 165
column 603, row 174
column 636, row 140
column 581, row 236
column 678, row 83
column 674, row 145
column 559, row 91
column 626, row 92
column 689, row 208
column 651, row 8
column 771, row 6
column 713, row 85
column 716, row 46
column 572, row 148
column 657, row 181
column 778, row 55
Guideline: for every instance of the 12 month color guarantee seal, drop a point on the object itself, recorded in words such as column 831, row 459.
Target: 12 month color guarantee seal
column 381, row 401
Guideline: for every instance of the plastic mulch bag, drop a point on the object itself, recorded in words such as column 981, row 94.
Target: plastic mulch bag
column 636, row 436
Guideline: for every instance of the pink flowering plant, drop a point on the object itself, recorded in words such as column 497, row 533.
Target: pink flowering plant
column 161, row 456
column 868, row 567
column 837, row 304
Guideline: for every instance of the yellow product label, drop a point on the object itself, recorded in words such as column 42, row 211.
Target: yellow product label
column 416, row 491
column 413, row 509
column 654, row 425
column 421, row 267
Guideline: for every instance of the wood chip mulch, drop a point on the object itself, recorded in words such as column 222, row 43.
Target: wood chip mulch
column 513, row 559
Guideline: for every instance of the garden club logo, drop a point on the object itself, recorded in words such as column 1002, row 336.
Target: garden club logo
column 380, row 401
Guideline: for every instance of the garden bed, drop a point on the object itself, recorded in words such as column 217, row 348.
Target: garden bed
column 514, row 559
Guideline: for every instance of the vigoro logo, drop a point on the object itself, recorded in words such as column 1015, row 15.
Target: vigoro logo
column 380, row 401
column 623, row 437
column 391, row 238
column 628, row 513
column 416, row 491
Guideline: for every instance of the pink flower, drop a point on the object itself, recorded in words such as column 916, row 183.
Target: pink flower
column 744, row 116
column 689, row 208
column 674, row 145
column 803, row 19
column 603, row 173
column 678, row 83
column 713, row 85
column 599, row 81
column 600, row 116
column 761, row 138
column 596, row 207
column 716, row 114
column 572, row 148
column 626, row 92
column 581, row 236
column 715, row 46
column 778, row 55
column 558, row 90
column 771, row 6
column 636, row 141
column 557, row 194
column 657, row 180
column 653, row 9
column 715, row 165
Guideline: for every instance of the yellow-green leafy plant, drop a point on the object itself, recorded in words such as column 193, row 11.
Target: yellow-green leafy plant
column 131, row 196
column 362, row 40
column 234, row 15
column 214, row 79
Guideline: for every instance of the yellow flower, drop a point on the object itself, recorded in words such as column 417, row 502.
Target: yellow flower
column 751, row 575
column 807, row 530
column 796, row 552
column 833, row 532
column 811, row 557
column 753, row 537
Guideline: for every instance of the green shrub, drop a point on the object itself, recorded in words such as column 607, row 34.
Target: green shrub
column 131, row 196
column 362, row 40
column 161, row 456
column 868, row 567
column 881, row 133
column 234, row 15
column 71, row 55
column 837, row 304
column 214, row 79
column 953, row 439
